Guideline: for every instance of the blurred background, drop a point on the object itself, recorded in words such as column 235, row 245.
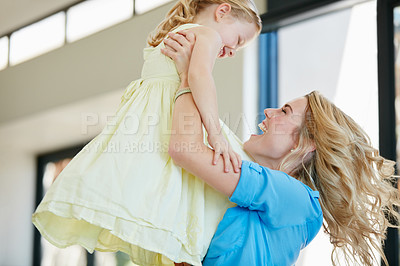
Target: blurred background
column 65, row 64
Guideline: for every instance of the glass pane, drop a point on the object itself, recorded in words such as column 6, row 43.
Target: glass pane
column 142, row 6
column 37, row 38
column 94, row 15
column 336, row 55
column 3, row 52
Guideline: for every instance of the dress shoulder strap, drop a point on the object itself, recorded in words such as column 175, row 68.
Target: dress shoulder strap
column 186, row 26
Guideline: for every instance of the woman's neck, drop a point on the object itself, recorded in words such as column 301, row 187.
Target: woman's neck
column 266, row 162
column 272, row 164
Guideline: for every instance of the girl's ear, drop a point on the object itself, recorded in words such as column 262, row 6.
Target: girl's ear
column 222, row 10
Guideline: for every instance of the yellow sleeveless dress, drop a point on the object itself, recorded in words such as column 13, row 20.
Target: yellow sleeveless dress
column 122, row 191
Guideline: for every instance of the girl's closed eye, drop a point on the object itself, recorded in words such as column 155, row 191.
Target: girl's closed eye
column 283, row 110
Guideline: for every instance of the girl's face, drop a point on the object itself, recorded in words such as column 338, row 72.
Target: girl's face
column 280, row 128
column 235, row 34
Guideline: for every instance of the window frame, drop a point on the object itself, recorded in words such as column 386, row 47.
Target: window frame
column 268, row 73
column 386, row 96
column 41, row 161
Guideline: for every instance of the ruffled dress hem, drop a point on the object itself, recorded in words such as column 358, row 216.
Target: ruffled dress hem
column 94, row 233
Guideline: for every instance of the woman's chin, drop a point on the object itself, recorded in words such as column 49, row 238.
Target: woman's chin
column 249, row 144
column 254, row 137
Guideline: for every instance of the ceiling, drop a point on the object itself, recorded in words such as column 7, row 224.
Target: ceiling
column 18, row 13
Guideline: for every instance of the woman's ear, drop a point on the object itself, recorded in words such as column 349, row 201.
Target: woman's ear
column 312, row 147
column 222, row 10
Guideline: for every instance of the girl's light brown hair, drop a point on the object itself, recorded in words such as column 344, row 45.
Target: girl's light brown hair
column 184, row 11
column 355, row 183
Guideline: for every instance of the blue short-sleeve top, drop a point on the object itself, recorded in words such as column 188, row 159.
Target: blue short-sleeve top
column 276, row 217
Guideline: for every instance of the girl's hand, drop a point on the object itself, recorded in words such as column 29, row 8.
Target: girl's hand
column 222, row 147
column 179, row 48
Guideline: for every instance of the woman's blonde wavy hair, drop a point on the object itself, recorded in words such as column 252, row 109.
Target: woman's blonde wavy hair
column 185, row 11
column 357, row 195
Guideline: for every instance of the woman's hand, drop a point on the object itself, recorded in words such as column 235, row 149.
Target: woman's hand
column 179, row 48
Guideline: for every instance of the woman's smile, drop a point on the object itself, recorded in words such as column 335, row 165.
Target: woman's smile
column 263, row 127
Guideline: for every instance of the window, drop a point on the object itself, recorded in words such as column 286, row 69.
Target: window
column 336, row 54
column 49, row 166
column 71, row 23
column 92, row 16
column 37, row 38
column 142, row 6
column 3, row 52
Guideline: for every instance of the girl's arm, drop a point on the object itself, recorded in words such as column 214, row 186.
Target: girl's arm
column 187, row 148
column 205, row 51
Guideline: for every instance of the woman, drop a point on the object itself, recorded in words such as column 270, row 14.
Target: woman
column 311, row 159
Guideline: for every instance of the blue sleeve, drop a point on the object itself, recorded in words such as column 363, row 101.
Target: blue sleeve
column 280, row 199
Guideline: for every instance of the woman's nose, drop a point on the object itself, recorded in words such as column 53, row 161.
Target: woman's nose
column 269, row 112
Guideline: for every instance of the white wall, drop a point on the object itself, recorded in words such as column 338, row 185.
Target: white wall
column 20, row 142
column 335, row 54
column 45, row 101
column 16, row 201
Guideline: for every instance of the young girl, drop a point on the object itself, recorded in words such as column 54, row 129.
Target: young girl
column 123, row 191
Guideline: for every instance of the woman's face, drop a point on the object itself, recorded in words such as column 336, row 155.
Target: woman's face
column 279, row 136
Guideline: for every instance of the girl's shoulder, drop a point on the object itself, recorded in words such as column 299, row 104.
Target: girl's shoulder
column 198, row 29
column 186, row 26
